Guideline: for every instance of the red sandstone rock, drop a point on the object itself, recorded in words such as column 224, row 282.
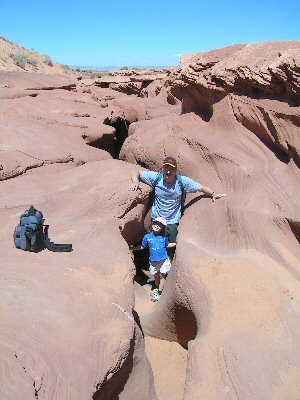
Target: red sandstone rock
column 232, row 298
column 129, row 82
column 67, row 327
column 48, row 128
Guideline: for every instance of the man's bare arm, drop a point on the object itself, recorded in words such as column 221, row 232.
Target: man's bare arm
column 209, row 192
column 135, row 179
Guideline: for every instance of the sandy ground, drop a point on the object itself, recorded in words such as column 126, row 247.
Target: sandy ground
column 168, row 359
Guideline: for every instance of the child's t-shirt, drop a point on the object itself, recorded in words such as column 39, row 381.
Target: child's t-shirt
column 157, row 246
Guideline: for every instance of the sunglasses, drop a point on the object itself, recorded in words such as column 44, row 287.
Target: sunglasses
column 169, row 166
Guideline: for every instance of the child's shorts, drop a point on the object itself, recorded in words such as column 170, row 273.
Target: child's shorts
column 165, row 268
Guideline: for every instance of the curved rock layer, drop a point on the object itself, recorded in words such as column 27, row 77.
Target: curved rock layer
column 231, row 118
column 233, row 295
column 67, row 328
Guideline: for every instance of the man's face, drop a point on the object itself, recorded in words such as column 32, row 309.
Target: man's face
column 169, row 171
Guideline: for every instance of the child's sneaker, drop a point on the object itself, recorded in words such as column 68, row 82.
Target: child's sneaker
column 155, row 295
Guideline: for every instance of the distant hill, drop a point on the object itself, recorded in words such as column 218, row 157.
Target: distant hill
column 89, row 68
column 17, row 58
column 114, row 68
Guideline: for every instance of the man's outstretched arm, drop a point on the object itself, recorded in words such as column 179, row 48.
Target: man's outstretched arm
column 209, row 192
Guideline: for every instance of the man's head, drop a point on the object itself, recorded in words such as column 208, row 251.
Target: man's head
column 170, row 169
column 170, row 161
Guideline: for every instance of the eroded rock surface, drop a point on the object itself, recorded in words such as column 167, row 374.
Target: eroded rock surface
column 69, row 329
column 233, row 294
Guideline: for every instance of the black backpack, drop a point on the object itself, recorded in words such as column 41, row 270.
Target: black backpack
column 30, row 234
column 179, row 179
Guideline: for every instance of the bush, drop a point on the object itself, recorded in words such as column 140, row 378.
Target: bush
column 48, row 60
column 65, row 66
column 20, row 59
column 124, row 68
column 96, row 75
column 32, row 62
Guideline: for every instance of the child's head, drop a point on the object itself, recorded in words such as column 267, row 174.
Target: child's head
column 159, row 225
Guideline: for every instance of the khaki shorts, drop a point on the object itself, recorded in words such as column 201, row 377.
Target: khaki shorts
column 164, row 269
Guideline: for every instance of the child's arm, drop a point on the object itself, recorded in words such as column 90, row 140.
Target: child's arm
column 138, row 247
column 170, row 245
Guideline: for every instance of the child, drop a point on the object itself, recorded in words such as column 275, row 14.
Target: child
column 160, row 264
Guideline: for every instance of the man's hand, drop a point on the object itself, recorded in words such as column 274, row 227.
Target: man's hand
column 135, row 186
column 216, row 196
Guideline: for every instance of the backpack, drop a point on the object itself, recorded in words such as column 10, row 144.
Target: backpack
column 179, row 179
column 30, row 234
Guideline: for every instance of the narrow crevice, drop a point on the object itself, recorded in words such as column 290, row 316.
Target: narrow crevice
column 183, row 317
column 183, row 323
column 121, row 126
column 106, row 143
column 69, row 87
column 115, row 380
column 141, row 262
column 36, row 388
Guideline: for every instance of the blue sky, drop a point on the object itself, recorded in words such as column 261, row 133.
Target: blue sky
column 128, row 33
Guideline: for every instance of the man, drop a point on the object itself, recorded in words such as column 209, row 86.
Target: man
column 168, row 193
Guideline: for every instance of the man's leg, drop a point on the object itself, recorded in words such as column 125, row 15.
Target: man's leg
column 172, row 232
column 172, row 235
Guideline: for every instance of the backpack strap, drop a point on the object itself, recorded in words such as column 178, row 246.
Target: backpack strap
column 157, row 179
column 58, row 248
column 183, row 192
column 179, row 178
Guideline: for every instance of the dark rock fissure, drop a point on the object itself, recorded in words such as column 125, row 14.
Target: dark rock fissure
column 295, row 228
column 196, row 102
column 185, row 324
column 35, row 388
column 121, row 126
